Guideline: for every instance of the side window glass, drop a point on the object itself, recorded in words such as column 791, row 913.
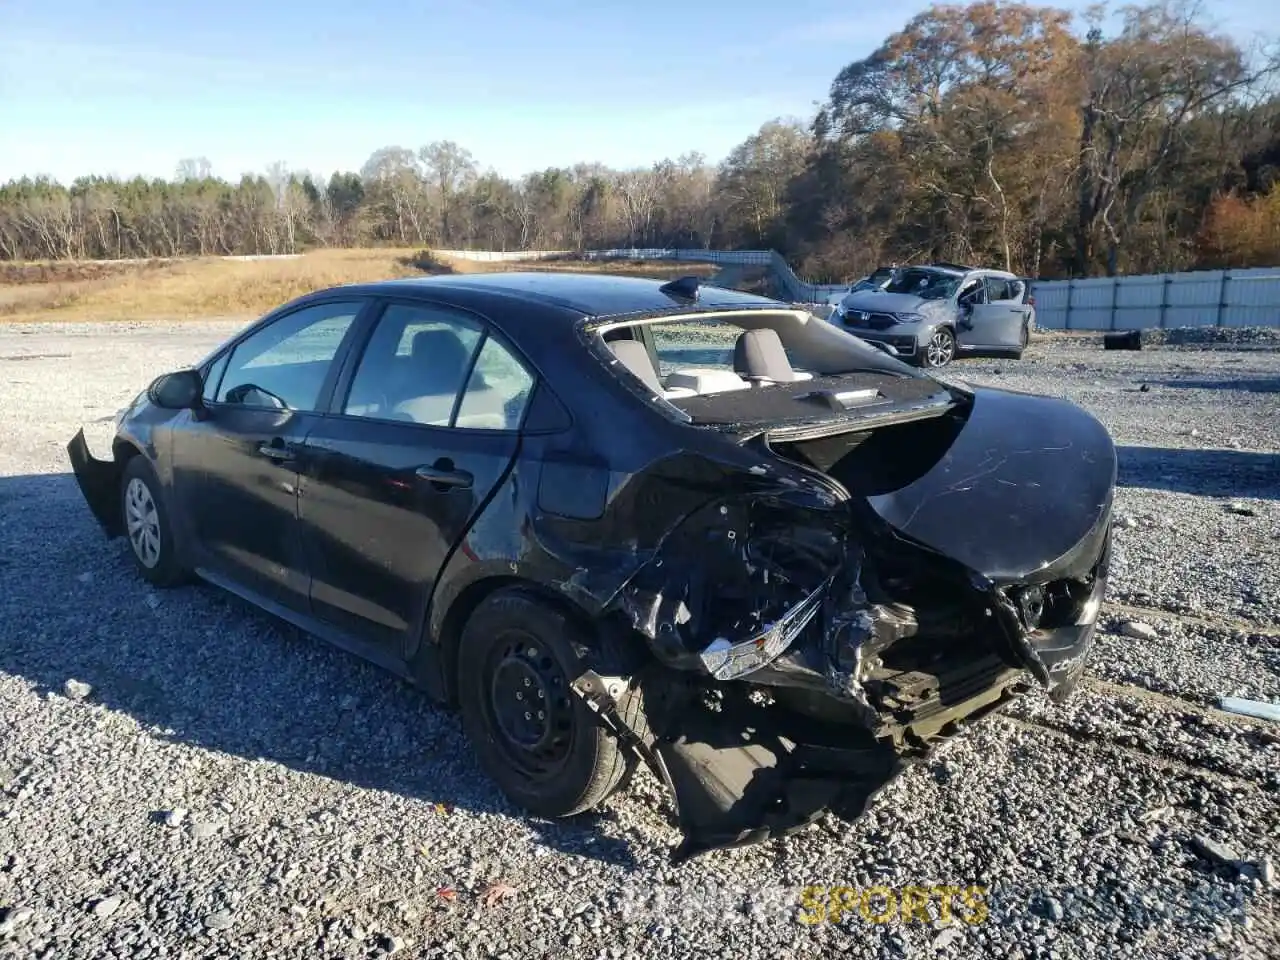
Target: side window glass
column 497, row 392
column 972, row 293
column 414, row 365
column 283, row 367
column 997, row 289
column 219, row 367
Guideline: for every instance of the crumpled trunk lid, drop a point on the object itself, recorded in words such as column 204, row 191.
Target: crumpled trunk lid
column 1013, row 487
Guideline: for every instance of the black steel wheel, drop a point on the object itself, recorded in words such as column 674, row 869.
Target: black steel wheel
column 532, row 734
column 529, row 704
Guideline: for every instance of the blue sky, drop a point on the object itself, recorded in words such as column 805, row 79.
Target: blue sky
column 133, row 86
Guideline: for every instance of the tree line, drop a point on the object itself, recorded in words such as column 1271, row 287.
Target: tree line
column 1004, row 134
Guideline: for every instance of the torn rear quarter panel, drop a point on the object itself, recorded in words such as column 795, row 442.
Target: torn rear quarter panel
column 810, row 645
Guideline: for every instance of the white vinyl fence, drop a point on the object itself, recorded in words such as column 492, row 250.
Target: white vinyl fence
column 1203, row 298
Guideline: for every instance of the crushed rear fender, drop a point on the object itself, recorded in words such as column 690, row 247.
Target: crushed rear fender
column 99, row 482
column 806, row 649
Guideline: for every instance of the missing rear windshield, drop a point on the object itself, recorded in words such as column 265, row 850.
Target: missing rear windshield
column 810, row 400
column 701, row 344
column 761, row 365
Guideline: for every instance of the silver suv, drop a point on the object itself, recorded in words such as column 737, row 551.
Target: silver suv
column 931, row 314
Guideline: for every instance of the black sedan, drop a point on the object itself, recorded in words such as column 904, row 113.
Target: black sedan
column 617, row 521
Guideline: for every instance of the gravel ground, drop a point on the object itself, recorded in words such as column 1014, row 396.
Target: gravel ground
column 228, row 788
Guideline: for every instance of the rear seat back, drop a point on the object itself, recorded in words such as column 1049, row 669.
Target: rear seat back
column 759, row 355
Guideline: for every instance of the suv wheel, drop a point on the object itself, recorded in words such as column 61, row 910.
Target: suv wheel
column 941, row 348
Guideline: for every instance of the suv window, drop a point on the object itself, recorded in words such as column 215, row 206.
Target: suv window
column 925, row 283
column 973, row 291
column 284, row 365
column 998, row 289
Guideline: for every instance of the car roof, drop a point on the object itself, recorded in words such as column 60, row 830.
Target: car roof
column 956, row 270
column 935, row 268
column 582, row 294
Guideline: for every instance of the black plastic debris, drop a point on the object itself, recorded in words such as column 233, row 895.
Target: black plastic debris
column 1128, row 340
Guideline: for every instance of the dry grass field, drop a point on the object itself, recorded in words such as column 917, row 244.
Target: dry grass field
column 189, row 288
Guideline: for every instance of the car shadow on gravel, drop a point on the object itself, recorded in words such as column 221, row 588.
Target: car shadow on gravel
column 197, row 666
column 1206, row 472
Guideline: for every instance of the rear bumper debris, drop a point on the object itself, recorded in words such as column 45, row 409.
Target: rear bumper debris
column 742, row 771
column 840, row 695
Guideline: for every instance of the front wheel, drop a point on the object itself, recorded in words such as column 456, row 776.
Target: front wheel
column 533, row 735
column 941, row 348
column 146, row 524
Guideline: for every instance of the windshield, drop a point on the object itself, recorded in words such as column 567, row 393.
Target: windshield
column 926, row 284
column 873, row 282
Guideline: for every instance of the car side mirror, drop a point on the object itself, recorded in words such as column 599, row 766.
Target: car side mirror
column 181, row 390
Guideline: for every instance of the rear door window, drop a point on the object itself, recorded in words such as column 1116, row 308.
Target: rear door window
column 414, row 365
column 998, row 290
column 497, row 392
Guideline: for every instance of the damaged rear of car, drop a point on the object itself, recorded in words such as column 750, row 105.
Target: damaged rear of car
column 899, row 558
column 617, row 521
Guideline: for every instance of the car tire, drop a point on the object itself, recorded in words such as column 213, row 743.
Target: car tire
column 939, row 350
column 147, row 526
column 554, row 762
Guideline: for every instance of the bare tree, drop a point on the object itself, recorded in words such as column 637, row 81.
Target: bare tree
column 451, row 170
column 1146, row 87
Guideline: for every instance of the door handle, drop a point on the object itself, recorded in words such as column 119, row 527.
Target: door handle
column 276, row 450
column 444, row 474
